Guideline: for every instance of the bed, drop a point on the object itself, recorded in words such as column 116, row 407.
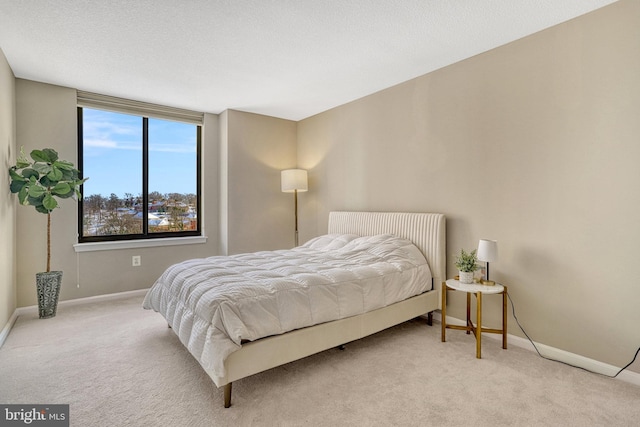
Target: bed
column 404, row 256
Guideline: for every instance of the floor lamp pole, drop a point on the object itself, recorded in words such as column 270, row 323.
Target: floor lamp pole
column 295, row 207
column 294, row 181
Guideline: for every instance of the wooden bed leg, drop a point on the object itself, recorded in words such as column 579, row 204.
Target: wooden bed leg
column 227, row 395
column 430, row 318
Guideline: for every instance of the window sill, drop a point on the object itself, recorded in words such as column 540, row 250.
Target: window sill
column 132, row 244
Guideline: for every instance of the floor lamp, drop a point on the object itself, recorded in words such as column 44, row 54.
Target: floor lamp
column 292, row 181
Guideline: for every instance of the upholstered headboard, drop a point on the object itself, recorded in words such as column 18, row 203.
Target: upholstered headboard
column 426, row 230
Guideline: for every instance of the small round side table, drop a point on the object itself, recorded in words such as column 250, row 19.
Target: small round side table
column 478, row 290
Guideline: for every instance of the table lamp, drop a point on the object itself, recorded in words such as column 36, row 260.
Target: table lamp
column 487, row 252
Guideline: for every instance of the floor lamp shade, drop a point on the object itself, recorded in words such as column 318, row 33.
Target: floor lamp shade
column 294, row 179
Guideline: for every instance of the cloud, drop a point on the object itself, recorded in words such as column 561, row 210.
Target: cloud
column 111, row 144
column 113, row 131
column 99, row 143
column 173, row 148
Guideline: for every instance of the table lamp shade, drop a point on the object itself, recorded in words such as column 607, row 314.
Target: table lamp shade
column 487, row 250
column 294, row 179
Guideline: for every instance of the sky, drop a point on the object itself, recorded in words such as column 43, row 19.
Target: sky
column 113, row 154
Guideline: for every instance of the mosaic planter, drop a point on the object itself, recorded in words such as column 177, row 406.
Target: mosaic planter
column 48, row 286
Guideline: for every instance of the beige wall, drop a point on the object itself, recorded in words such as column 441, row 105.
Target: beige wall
column 46, row 117
column 260, row 216
column 534, row 144
column 242, row 151
column 8, row 299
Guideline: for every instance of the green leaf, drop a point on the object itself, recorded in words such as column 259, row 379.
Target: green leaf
column 36, row 191
column 51, row 154
column 22, row 195
column 42, row 209
column 49, row 202
column 55, row 174
column 67, row 175
column 61, row 189
column 39, row 156
column 28, row 173
column 43, row 168
column 22, row 164
column 47, row 155
column 15, row 175
column 34, row 201
column 66, row 195
column 16, row 185
column 46, row 182
column 64, row 165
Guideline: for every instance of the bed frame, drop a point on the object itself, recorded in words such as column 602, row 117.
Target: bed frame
column 425, row 230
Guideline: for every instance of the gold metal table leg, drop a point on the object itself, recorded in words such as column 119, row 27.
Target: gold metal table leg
column 443, row 310
column 468, row 313
column 479, row 326
column 504, row 318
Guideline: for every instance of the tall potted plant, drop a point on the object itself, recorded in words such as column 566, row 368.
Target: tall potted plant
column 39, row 182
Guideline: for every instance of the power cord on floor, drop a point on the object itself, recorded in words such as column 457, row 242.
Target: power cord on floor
column 513, row 310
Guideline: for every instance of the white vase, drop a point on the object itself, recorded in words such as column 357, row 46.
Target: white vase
column 466, row 277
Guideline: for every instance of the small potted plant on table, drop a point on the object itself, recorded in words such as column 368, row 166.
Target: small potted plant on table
column 39, row 182
column 466, row 263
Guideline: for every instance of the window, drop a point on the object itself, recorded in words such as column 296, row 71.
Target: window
column 144, row 172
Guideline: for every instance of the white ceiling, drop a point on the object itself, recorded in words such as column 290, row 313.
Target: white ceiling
column 282, row 58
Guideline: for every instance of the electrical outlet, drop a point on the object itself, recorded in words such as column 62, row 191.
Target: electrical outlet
column 135, row 261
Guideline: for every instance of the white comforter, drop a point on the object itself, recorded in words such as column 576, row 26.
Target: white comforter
column 214, row 304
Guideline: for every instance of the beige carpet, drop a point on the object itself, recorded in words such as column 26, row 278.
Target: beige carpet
column 119, row 365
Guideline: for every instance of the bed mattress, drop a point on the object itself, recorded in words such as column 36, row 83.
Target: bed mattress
column 215, row 304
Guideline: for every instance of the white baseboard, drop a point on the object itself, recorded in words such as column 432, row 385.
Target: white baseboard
column 87, row 300
column 7, row 328
column 557, row 354
column 33, row 309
